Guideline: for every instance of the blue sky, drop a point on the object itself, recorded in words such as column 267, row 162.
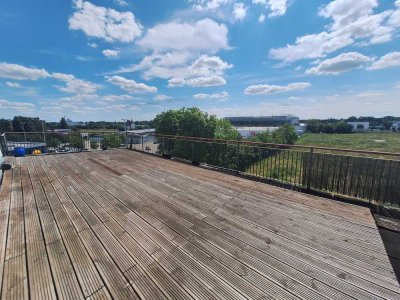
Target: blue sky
column 115, row 59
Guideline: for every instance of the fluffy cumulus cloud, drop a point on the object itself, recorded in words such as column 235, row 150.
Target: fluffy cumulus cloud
column 18, row 72
column 104, row 23
column 183, row 53
column 389, row 60
column 218, row 96
column 266, row 89
column 110, row 53
column 342, row 63
column 352, row 22
column 131, row 86
column 239, row 11
column 276, row 7
column 205, row 35
column 74, row 85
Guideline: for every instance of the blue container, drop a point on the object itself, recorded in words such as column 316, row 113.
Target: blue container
column 19, row 152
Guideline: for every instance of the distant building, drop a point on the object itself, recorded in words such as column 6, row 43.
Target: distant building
column 263, row 121
column 395, row 125
column 72, row 123
column 359, row 126
column 247, row 132
column 65, row 131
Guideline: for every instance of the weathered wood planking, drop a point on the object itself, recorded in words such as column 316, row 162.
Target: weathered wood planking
column 124, row 225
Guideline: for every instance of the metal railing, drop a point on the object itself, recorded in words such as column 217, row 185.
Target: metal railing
column 60, row 142
column 367, row 175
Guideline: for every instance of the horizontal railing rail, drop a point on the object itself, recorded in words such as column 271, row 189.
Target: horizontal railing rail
column 370, row 176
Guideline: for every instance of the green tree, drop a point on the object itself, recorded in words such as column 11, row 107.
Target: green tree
column 186, row 122
column 5, row 125
column 285, row 134
column 63, row 123
column 224, row 130
column 112, row 141
column 313, row 126
column 263, row 137
column 342, row 127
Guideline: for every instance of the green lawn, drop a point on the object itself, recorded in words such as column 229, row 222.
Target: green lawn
column 372, row 141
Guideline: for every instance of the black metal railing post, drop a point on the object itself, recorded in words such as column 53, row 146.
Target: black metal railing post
column 309, row 168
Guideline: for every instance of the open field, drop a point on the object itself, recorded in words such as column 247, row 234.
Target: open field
column 373, row 141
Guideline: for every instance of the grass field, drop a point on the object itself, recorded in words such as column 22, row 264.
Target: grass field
column 372, row 141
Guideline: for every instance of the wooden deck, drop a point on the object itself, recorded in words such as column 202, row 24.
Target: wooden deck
column 125, row 225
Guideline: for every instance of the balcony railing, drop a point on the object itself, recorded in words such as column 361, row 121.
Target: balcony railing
column 369, row 176
column 59, row 142
column 366, row 175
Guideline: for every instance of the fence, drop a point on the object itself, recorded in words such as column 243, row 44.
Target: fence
column 53, row 142
column 367, row 175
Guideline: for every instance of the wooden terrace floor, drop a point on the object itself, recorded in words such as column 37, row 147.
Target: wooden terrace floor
column 125, row 225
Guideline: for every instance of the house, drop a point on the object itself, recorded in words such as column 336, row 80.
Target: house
column 359, row 126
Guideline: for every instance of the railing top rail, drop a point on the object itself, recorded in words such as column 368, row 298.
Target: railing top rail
column 280, row 145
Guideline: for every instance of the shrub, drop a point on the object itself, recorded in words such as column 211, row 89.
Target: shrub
column 112, row 141
column 77, row 142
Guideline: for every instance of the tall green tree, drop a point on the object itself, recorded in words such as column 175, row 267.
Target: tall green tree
column 63, row 123
column 186, row 122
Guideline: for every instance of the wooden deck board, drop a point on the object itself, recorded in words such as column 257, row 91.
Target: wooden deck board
column 125, row 225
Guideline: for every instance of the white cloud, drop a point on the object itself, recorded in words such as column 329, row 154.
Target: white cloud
column 261, row 18
column 221, row 96
column 389, row 60
column 104, row 23
column 131, row 85
column 209, row 5
column 342, row 63
column 18, row 72
column 110, row 53
column 203, row 81
column 115, row 98
column 162, row 97
column 75, row 85
column 121, row 2
column 204, row 35
column 239, row 11
column 352, row 22
column 276, row 7
column 13, row 84
column 92, row 45
column 13, row 106
column 266, row 89
column 178, row 81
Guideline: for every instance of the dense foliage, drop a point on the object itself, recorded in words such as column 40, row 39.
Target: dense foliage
column 285, row 134
column 317, row 126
